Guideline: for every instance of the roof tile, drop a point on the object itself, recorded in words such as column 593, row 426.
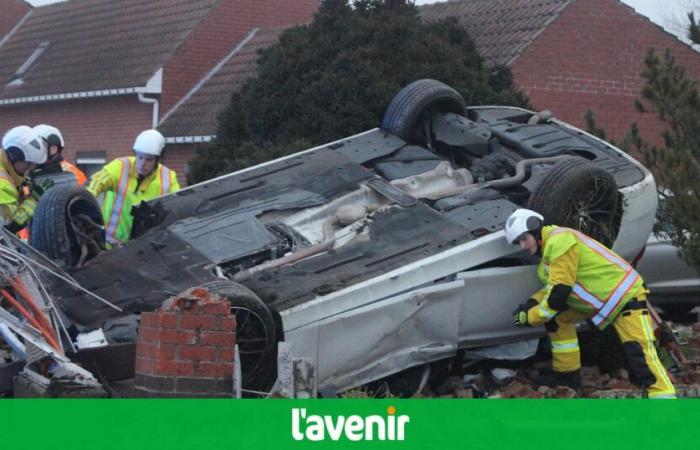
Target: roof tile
column 125, row 41
column 501, row 29
column 197, row 116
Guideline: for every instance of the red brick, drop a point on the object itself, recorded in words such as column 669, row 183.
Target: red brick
column 222, row 308
column 217, row 338
column 167, row 319
column 196, row 353
column 177, row 337
column 227, row 323
column 174, row 368
column 144, row 365
column 165, row 352
column 159, row 319
column 560, row 74
column 192, row 322
column 225, row 354
column 214, row 370
column 148, row 334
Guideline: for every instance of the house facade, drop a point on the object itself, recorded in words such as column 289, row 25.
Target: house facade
column 572, row 55
column 104, row 70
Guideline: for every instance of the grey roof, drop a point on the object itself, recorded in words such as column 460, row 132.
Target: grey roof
column 197, row 114
column 501, row 29
column 97, row 44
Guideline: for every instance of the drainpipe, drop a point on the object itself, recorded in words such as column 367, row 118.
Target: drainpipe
column 154, row 102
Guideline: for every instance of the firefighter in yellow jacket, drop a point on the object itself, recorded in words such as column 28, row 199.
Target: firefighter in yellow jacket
column 22, row 150
column 582, row 280
column 126, row 182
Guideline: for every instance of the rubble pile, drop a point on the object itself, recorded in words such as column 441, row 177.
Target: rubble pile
column 185, row 349
column 490, row 383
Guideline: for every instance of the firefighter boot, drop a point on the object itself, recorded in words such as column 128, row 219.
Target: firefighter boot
column 552, row 378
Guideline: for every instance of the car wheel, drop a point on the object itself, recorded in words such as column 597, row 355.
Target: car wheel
column 67, row 226
column 410, row 106
column 256, row 334
column 579, row 194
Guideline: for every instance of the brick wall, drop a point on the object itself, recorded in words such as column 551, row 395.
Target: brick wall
column 228, row 24
column 186, row 349
column 12, row 12
column 176, row 158
column 108, row 124
column 591, row 57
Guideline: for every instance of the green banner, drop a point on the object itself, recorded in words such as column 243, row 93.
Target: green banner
column 409, row 424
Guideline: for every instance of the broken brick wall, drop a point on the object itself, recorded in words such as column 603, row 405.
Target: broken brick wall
column 186, row 349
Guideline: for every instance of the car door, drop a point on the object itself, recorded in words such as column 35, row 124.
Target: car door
column 488, row 299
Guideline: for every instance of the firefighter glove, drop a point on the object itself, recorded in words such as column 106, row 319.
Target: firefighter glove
column 520, row 316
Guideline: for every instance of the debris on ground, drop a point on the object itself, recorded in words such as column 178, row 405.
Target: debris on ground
column 495, row 382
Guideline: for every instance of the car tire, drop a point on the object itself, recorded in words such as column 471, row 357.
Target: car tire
column 256, row 334
column 62, row 215
column 579, row 194
column 407, row 109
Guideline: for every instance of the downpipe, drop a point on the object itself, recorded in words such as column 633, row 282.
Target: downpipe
column 155, row 103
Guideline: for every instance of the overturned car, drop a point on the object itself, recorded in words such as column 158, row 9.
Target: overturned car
column 372, row 254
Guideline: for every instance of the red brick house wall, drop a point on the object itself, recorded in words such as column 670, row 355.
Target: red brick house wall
column 109, row 123
column 11, row 12
column 225, row 26
column 591, row 57
column 177, row 157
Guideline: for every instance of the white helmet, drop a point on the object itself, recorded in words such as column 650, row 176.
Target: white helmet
column 149, row 142
column 521, row 221
column 22, row 143
column 51, row 135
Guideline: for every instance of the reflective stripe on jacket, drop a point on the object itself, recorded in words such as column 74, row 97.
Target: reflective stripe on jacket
column 604, row 282
column 119, row 182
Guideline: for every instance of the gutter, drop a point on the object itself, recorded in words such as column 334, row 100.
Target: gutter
column 152, row 87
column 189, row 139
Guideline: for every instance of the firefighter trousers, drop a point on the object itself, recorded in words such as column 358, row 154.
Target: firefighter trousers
column 635, row 329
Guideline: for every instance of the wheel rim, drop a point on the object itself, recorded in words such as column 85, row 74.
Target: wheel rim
column 252, row 338
column 594, row 213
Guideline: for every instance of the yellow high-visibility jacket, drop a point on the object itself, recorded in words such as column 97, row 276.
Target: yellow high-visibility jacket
column 14, row 206
column 119, row 183
column 602, row 282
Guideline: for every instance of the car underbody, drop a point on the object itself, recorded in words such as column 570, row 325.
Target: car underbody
column 381, row 251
